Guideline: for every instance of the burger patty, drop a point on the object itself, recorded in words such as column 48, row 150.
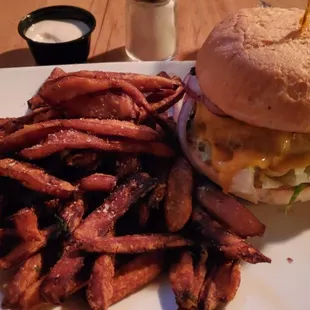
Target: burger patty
column 233, row 145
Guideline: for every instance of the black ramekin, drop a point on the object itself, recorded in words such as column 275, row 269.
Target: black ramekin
column 75, row 51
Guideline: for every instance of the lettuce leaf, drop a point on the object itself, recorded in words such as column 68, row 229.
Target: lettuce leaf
column 297, row 190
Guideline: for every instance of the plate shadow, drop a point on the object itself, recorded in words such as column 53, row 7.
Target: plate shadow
column 16, row 58
column 115, row 55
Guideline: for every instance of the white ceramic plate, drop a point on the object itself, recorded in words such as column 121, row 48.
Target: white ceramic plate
column 277, row 286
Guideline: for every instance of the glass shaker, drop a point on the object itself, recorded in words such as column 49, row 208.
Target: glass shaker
column 151, row 32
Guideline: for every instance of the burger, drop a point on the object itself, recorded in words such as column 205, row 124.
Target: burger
column 247, row 126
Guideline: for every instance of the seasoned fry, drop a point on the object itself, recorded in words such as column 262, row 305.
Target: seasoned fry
column 160, row 170
column 107, row 105
column 35, row 178
column 69, row 87
column 15, row 123
column 100, row 289
column 47, row 114
column 167, row 102
column 187, row 282
column 72, row 139
column 107, row 197
column 200, row 274
column 126, row 165
column 61, row 280
column 20, row 289
column 181, row 276
column 36, row 101
column 108, row 127
column 32, row 134
column 144, row 214
column 28, row 136
column 144, row 83
column 21, row 253
column 32, row 297
column 87, row 159
column 221, row 286
column 28, row 274
column 56, row 73
column 137, row 274
column 72, row 214
column 229, row 212
column 232, row 246
column 159, row 95
column 178, row 204
column 98, row 182
column 227, row 280
column 133, row 243
column 157, row 196
column 100, row 221
column 164, row 74
column 53, row 204
column 167, row 131
column 26, row 225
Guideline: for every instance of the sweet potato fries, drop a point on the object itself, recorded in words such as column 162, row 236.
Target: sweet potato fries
column 93, row 196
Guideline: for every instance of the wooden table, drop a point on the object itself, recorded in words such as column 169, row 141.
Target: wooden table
column 195, row 20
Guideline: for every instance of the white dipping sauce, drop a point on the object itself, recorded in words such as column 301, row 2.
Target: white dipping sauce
column 56, row 31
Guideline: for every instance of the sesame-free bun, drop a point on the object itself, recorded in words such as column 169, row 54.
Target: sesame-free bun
column 255, row 66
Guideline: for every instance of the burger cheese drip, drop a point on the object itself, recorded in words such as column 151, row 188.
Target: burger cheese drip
column 232, row 145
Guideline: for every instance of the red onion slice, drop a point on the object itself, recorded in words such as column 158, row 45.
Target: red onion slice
column 212, row 107
column 192, row 87
column 177, row 109
column 182, row 114
column 189, row 79
column 191, row 154
column 193, row 90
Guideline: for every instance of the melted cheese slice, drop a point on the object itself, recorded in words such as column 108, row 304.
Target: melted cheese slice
column 236, row 145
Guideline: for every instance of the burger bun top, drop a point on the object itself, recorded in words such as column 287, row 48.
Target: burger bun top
column 255, row 66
